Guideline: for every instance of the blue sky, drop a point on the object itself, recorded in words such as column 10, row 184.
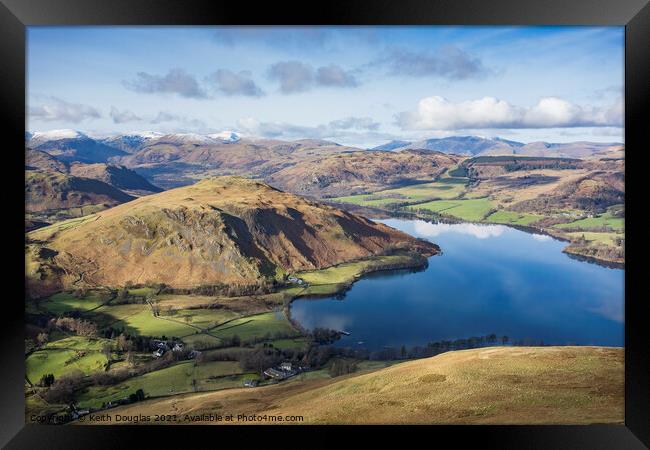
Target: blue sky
column 355, row 85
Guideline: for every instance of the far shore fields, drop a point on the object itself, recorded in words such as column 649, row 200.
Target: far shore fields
column 594, row 237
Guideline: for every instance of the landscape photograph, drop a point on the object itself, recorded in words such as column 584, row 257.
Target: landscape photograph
column 324, row 225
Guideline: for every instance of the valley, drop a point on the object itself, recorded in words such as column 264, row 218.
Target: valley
column 141, row 299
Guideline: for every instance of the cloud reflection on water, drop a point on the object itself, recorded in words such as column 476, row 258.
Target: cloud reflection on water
column 427, row 229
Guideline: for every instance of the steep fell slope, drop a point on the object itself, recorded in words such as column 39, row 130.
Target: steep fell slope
column 223, row 230
column 361, row 172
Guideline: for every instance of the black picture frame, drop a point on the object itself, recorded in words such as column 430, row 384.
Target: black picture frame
column 15, row 15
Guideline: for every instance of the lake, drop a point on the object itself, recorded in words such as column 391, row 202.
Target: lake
column 489, row 279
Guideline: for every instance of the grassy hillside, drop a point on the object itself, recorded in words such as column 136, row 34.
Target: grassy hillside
column 499, row 385
column 223, row 230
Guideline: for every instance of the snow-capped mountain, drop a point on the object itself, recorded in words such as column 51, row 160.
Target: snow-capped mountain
column 198, row 139
column 71, row 145
column 39, row 137
column 461, row 145
column 226, row 136
column 132, row 141
column 186, row 138
column 483, row 146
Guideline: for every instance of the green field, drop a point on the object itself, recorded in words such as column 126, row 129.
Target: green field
column 511, row 217
column 597, row 238
column 258, row 325
column 139, row 319
column 471, row 210
column 604, row 220
column 141, row 292
column 66, row 301
column 201, row 341
column 176, row 379
column 203, row 318
column 294, row 344
column 344, row 273
column 445, row 188
column 65, row 356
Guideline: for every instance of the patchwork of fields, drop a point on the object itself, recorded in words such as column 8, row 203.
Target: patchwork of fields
column 491, row 200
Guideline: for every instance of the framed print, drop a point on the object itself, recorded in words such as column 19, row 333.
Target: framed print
column 364, row 214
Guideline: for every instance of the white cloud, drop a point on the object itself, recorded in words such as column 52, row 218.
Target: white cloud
column 123, row 116
column 448, row 62
column 165, row 117
column 235, row 83
column 176, row 81
column 334, row 75
column 438, row 113
column 348, row 131
column 296, row 76
column 56, row 109
column 361, row 123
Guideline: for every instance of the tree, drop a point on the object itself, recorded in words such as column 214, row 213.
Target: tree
column 42, row 338
column 123, row 343
column 107, row 350
column 130, row 359
column 342, row 367
column 46, row 380
column 123, row 294
column 504, row 340
column 62, row 390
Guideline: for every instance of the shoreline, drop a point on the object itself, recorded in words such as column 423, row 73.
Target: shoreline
column 418, row 262
column 376, row 213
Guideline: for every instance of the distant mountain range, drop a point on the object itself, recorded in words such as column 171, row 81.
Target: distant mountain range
column 309, row 166
column 479, row 146
column 71, row 145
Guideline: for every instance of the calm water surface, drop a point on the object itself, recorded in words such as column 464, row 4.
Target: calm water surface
column 489, row 279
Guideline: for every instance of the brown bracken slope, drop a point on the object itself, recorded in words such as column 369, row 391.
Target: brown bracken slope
column 228, row 230
column 498, row 385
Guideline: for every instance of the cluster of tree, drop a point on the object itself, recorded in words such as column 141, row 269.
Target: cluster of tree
column 600, row 229
column 324, row 335
column 117, row 376
column 42, row 338
column 471, row 342
column 46, row 380
column 226, row 290
column 236, row 341
column 537, row 165
column 137, row 396
column 234, row 354
column 260, row 359
column 62, row 389
column 128, row 342
column 75, row 325
column 123, row 296
column 342, row 367
column 435, row 348
column 605, row 252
